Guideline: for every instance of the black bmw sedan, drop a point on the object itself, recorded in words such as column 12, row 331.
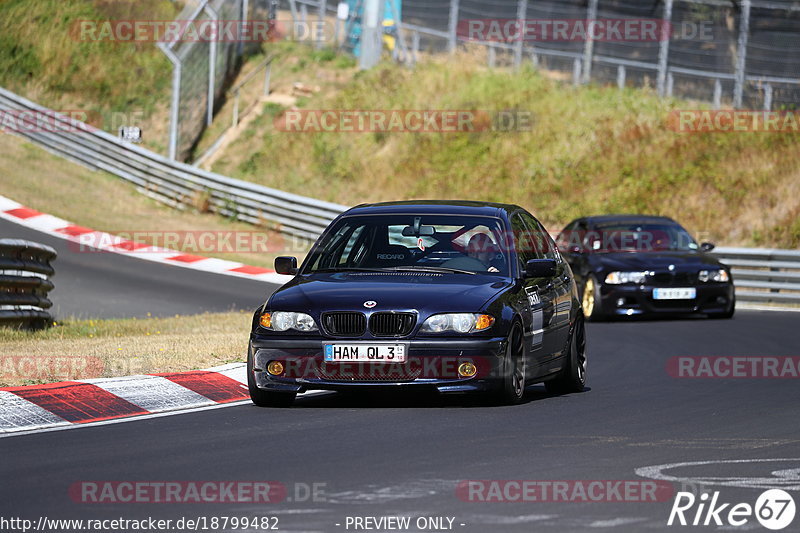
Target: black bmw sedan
column 450, row 296
column 636, row 265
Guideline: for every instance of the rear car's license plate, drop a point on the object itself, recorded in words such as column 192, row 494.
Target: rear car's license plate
column 689, row 293
column 367, row 353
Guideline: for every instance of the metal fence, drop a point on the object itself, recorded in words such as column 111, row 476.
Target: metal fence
column 174, row 183
column 25, row 272
column 744, row 53
column 764, row 275
column 202, row 68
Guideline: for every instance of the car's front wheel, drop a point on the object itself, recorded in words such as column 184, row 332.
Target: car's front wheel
column 264, row 398
column 513, row 383
column 572, row 377
column 590, row 299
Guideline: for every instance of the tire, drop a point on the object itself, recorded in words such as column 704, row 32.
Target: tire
column 590, row 299
column 512, row 389
column 261, row 397
column 725, row 314
column 572, row 377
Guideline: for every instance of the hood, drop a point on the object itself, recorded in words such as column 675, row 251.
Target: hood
column 400, row 291
column 659, row 261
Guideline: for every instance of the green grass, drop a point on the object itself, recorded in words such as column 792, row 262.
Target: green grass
column 591, row 150
column 43, row 57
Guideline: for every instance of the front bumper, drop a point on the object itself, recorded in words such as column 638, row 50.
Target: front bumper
column 631, row 300
column 431, row 363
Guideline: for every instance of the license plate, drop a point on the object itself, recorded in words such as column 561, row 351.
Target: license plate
column 675, row 294
column 366, row 353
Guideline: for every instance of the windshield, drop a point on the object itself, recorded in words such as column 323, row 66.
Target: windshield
column 639, row 237
column 445, row 243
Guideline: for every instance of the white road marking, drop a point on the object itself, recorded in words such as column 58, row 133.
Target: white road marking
column 616, row 522
column 786, row 479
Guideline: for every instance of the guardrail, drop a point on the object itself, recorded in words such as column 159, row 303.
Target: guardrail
column 173, row 183
column 763, row 275
column 24, row 283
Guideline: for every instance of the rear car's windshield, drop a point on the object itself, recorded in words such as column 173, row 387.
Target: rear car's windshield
column 639, row 237
column 452, row 243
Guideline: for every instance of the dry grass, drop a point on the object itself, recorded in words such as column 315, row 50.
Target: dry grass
column 100, row 201
column 592, row 150
column 80, row 349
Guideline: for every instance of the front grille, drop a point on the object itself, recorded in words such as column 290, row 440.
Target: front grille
column 673, row 279
column 345, row 324
column 392, row 324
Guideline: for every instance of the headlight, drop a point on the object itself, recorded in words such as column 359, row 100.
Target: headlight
column 618, row 278
column 719, row 276
column 457, row 322
column 283, row 321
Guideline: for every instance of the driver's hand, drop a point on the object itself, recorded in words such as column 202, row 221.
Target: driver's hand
column 493, row 269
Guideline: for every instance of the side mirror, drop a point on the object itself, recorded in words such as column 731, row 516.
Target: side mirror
column 540, row 268
column 286, row 265
column 707, row 246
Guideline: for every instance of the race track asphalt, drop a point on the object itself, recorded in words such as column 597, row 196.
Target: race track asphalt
column 108, row 285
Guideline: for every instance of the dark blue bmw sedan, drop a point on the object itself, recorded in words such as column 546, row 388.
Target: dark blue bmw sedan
column 450, row 296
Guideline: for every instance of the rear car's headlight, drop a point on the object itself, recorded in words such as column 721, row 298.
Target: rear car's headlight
column 457, row 322
column 618, row 278
column 720, row 276
column 284, row 321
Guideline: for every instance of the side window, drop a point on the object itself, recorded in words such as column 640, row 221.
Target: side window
column 351, row 252
column 566, row 238
column 543, row 245
column 522, row 241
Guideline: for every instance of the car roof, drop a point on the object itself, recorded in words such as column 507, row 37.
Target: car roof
column 448, row 207
column 600, row 220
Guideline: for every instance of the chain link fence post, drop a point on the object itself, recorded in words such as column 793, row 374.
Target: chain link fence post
column 452, row 26
column 663, row 49
column 588, row 49
column 522, row 10
column 741, row 54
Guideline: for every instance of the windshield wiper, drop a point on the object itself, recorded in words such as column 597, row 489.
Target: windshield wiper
column 434, row 269
column 348, row 269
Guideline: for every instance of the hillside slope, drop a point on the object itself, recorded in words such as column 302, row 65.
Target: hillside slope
column 591, row 150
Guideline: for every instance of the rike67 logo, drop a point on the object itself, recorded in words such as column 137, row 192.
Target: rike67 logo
column 774, row 509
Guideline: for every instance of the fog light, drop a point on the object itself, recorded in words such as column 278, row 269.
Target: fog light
column 620, row 302
column 467, row 370
column 275, row 368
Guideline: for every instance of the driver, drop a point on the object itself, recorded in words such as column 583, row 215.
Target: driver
column 482, row 248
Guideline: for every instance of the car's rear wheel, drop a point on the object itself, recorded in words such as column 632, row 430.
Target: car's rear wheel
column 572, row 377
column 513, row 383
column 590, row 299
column 261, row 397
